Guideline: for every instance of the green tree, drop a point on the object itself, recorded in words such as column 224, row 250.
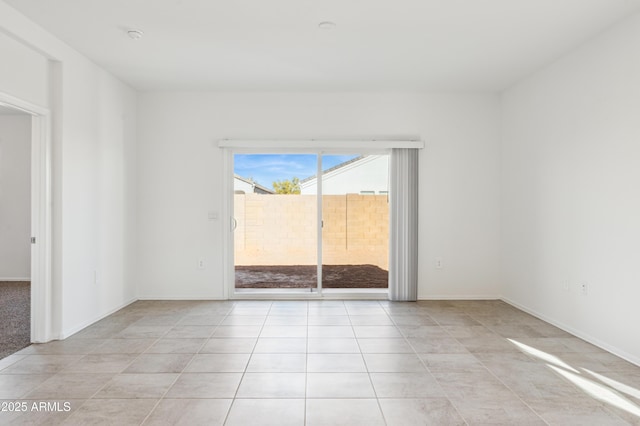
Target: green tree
column 287, row 186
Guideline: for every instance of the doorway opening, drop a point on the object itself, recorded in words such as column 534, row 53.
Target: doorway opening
column 34, row 237
column 310, row 223
column 15, row 228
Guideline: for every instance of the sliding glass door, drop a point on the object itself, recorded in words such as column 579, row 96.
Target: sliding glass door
column 310, row 222
column 355, row 213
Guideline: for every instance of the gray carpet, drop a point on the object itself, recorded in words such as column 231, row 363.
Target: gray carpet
column 15, row 316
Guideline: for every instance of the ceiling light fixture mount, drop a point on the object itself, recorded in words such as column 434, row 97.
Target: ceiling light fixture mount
column 327, row 25
column 135, row 34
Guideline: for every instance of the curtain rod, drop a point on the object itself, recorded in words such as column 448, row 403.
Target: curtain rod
column 320, row 143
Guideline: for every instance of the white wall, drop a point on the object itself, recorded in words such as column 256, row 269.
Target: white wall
column 15, row 197
column 97, row 194
column 571, row 185
column 180, row 179
column 24, row 72
column 94, row 156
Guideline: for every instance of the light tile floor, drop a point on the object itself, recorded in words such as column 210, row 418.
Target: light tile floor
column 319, row 363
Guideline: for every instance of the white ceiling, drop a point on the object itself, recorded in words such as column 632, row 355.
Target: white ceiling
column 277, row 45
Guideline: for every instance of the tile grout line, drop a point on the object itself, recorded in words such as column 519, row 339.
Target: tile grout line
column 487, row 357
column 427, row 368
column 488, row 370
column 182, row 372
column 233, row 400
column 121, row 372
column 306, row 368
column 497, row 378
column 100, row 354
column 375, row 394
column 490, row 327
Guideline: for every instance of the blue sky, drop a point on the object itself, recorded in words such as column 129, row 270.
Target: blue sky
column 268, row 168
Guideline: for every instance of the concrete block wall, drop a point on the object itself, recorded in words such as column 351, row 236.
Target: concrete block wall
column 281, row 229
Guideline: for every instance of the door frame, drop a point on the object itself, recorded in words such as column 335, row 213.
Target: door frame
column 331, row 147
column 41, row 247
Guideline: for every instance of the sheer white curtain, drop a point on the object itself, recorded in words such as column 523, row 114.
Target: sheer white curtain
column 403, row 225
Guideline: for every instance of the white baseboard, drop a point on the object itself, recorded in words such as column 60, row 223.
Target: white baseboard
column 584, row 336
column 70, row 332
column 351, row 296
column 452, row 297
column 196, row 298
column 15, row 279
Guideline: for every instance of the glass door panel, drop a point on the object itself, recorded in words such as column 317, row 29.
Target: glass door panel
column 276, row 226
column 355, row 221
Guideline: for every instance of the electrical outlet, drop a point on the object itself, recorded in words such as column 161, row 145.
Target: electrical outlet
column 438, row 262
column 200, row 263
column 584, row 288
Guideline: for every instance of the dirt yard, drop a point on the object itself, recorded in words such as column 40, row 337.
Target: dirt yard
column 305, row 276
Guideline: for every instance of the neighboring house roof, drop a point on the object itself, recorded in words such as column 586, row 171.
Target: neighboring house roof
column 257, row 188
column 336, row 167
column 367, row 174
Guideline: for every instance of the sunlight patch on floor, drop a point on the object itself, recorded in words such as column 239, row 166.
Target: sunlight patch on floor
column 602, row 392
column 599, row 391
column 621, row 387
column 547, row 357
